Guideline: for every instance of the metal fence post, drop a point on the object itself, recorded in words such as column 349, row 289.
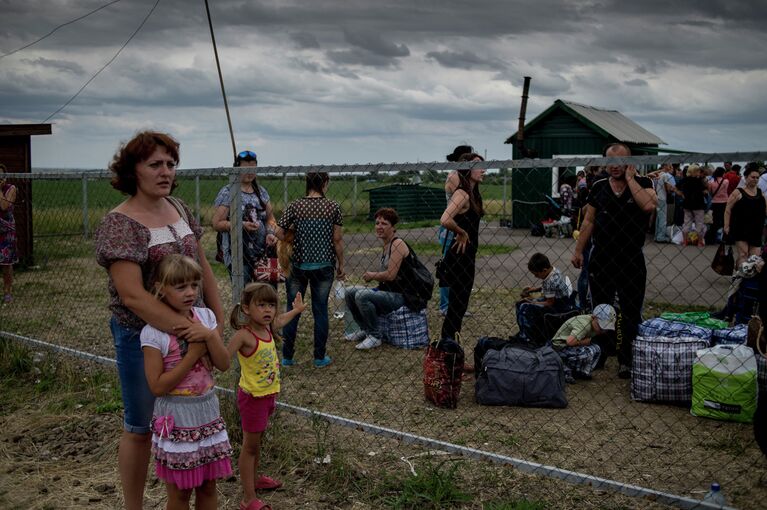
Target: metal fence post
column 86, row 219
column 235, row 236
column 197, row 198
column 354, row 198
column 505, row 179
column 284, row 190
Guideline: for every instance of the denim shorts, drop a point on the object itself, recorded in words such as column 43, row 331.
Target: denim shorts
column 138, row 401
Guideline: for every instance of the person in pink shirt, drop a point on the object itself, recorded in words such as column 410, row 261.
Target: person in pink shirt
column 189, row 438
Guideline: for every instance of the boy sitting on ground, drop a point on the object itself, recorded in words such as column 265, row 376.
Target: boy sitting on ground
column 556, row 289
column 573, row 341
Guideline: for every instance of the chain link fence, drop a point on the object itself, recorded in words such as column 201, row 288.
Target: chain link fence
column 603, row 438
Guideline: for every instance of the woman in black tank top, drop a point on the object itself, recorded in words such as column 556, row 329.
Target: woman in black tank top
column 744, row 215
column 462, row 218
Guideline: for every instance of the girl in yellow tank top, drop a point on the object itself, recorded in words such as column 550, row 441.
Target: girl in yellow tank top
column 259, row 378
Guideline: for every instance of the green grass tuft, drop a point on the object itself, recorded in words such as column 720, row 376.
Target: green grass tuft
column 437, row 486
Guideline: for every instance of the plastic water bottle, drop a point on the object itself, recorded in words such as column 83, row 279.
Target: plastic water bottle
column 339, row 301
column 715, row 496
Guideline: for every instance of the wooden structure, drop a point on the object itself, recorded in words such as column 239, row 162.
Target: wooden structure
column 16, row 155
column 567, row 129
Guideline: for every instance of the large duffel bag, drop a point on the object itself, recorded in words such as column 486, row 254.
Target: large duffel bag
column 518, row 375
column 730, row 336
column 724, row 383
column 405, row 328
column 658, row 327
column 662, row 368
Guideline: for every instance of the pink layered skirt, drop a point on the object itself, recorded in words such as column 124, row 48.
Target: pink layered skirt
column 189, row 440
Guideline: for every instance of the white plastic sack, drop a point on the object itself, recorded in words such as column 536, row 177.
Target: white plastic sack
column 724, row 383
column 675, row 234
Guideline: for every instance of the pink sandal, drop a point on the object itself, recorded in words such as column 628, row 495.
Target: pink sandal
column 255, row 504
column 267, row 483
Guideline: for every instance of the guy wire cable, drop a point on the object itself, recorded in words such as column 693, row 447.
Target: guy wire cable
column 105, row 65
column 58, row 27
column 221, row 81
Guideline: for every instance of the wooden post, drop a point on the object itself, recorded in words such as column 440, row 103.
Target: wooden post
column 16, row 155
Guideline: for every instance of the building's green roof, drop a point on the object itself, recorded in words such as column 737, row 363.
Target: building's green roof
column 606, row 122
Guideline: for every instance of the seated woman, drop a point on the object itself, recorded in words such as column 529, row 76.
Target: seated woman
column 367, row 305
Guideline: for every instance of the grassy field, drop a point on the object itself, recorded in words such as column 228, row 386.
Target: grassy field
column 58, row 204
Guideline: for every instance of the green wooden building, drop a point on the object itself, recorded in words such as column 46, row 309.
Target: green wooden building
column 567, row 129
column 413, row 202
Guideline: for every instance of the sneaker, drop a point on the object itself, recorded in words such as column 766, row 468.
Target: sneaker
column 701, row 244
column 624, row 372
column 370, row 342
column 569, row 379
column 287, row 362
column 467, row 314
column 319, row 363
column 267, row 483
column 357, row 336
column 7, row 298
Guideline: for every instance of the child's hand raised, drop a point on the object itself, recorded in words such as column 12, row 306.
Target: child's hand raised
column 298, row 303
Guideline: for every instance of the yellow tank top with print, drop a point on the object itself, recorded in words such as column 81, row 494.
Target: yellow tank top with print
column 260, row 370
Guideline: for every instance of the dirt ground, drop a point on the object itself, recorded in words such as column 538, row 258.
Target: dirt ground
column 59, row 455
column 602, row 432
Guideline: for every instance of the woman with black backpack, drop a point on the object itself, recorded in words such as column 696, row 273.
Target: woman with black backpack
column 368, row 304
column 257, row 219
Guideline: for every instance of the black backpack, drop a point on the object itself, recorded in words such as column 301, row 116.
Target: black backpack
column 416, row 281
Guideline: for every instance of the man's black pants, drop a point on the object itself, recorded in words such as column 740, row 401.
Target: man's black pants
column 611, row 273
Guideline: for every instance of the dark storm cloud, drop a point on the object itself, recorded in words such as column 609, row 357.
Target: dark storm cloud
column 305, row 40
column 427, row 67
column 376, row 44
column 361, row 58
column 464, row 60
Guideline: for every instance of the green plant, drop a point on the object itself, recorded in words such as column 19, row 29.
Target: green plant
column 320, row 427
column 15, row 360
column 437, row 486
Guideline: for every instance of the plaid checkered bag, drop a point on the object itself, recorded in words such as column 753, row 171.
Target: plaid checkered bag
column 405, row 328
column 761, row 371
column 582, row 359
column 662, row 368
column 671, row 329
column 730, row 336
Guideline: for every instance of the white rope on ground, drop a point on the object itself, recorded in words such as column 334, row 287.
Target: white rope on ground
column 518, row 164
column 528, row 467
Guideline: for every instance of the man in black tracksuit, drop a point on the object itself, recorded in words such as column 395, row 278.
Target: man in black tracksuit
column 615, row 220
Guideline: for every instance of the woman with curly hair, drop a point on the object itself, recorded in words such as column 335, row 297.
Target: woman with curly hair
column 131, row 241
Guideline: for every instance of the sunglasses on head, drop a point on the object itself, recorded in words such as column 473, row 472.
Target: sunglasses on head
column 247, row 155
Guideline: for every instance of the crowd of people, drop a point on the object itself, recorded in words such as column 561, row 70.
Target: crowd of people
column 167, row 316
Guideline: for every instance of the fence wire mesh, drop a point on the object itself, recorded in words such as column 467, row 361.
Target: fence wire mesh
column 634, row 435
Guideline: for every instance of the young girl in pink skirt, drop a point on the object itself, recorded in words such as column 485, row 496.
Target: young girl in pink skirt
column 189, row 439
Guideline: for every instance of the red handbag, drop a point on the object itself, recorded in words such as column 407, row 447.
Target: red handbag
column 442, row 373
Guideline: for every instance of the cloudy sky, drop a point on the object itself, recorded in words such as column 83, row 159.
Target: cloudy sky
column 358, row 81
